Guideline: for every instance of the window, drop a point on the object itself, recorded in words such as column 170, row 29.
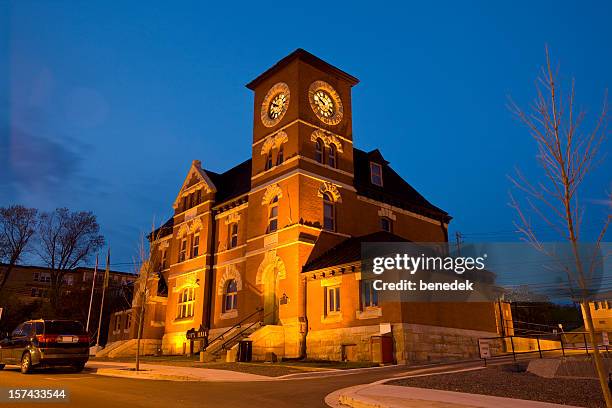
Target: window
column 273, row 216
column 233, row 241
column 35, row 277
column 280, row 156
column 376, row 174
column 596, row 305
column 329, row 213
column 369, row 296
column 45, row 277
column 183, row 250
column 198, row 196
column 128, row 321
column 319, row 150
column 68, row 280
column 185, row 203
column 386, row 224
column 185, row 303
column 195, row 247
column 117, row 322
column 231, row 296
column 191, row 197
column 332, row 299
column 269, row 160
column 164, row 259
column 333, row 155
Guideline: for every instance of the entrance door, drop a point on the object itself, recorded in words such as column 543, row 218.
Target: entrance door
column 270, row 298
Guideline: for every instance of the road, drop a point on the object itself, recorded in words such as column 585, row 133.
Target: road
column 91, row 391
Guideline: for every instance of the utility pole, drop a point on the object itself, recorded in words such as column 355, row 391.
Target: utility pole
column 106, row 273
column 93, row 285
column 459, row 240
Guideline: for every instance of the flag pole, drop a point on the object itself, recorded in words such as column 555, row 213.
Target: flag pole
column 93, row 285
column 106, row 273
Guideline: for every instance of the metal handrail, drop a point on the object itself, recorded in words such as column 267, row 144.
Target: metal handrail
column 245, row 329
column 220, row 337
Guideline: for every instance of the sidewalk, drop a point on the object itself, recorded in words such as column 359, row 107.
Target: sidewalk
column 170, row 373
column 378, row 395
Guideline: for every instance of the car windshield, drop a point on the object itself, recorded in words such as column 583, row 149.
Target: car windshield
column 63, row 327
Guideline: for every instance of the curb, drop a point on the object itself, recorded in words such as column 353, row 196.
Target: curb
column 142, row 375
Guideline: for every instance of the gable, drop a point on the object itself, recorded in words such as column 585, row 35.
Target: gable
column 196, row 178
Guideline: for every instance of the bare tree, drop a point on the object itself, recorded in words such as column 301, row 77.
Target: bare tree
column 567, row 154
column 17, row 226
column 147, row 265
column 67, row 239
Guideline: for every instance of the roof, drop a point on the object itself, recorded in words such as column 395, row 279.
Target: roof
column 307, row 57
column 233, row 183
column 395, row 191
column 348, row 251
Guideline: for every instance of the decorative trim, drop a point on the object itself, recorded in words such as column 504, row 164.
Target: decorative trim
column 189, row 227
column 370, row 312
column 272, row 191
column 271, row 262
column 232, row 218
column 386, row 212
column 196, row 168
column 332, row 281
column 331, row 189
column 188, row 280
column 276, row 90
column 231, row 272
column 274, row 141
column 332, row 317
column 232, row 314
column 400, row 210
column 312, row 125
column 338, row 113
column 328, row 139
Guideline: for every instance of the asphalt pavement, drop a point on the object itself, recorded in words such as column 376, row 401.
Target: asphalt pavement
column 87, row 389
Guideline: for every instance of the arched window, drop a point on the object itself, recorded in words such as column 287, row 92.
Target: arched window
column 273, row 215
column 319, row 150
column 333, row 156
column 279, row 156
column 231, row 296
column 269, row 160
column 185, row 303
column 329, row 213
column 233, row 241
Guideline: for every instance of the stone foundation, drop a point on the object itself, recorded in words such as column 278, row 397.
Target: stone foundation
column 411, row 343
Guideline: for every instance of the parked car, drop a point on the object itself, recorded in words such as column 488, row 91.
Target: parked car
column 43, row 343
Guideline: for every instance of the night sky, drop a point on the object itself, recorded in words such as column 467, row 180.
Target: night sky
column 103, row 108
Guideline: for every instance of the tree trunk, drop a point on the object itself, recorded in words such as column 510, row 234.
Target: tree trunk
column 599, row 364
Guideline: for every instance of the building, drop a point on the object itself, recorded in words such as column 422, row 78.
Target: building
column 277, row 237
column 601, row 313
column 31, row 283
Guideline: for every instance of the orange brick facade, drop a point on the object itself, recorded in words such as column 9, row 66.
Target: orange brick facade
column 239, row 240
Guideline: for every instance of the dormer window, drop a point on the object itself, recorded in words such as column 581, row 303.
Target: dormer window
column 376, row 174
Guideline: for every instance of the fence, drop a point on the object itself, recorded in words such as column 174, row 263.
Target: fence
column 543, row 344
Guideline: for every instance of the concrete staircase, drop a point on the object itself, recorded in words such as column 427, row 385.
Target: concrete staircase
column 127, row 348
column 217, row 349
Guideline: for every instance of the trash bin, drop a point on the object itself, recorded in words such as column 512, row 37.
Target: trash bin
column 245, row 351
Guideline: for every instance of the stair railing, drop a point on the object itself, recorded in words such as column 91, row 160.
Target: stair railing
column 235, row 326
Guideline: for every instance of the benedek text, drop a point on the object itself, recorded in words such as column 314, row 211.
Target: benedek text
column 404, row 284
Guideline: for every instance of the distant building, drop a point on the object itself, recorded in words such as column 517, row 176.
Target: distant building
column 31, row 283
column 601, row 312
column 281, row 232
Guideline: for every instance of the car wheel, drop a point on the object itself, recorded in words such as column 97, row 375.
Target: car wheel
column 26, row 363
column 78, row 367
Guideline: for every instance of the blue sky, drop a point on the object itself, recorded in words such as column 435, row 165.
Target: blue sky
column 104, row 106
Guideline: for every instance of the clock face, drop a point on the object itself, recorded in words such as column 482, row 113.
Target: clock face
column 275, row 104
column 278, row 106
column 325, row 102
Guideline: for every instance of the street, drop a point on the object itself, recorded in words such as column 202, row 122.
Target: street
column 87, row 389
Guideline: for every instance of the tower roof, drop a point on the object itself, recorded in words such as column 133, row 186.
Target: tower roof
column 309, row 58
